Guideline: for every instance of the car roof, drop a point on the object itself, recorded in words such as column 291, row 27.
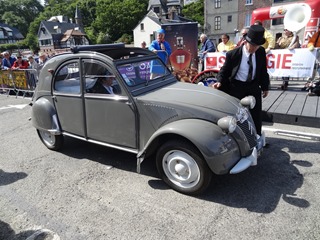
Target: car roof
column 115, row 51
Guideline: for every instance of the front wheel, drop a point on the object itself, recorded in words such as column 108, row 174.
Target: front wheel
column 53, row 142
column 182, row 167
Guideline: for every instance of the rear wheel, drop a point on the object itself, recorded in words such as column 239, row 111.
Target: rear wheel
column 53, row 142
column 182, row 167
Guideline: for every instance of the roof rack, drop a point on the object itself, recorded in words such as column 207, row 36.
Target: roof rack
column 97, row 47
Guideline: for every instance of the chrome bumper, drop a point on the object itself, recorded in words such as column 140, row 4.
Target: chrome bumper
column 250, row 160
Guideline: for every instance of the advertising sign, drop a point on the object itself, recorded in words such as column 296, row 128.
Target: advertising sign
column 298, row 62
column 183, row 39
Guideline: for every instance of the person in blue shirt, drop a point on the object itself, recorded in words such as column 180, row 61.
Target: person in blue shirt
column 161, row 46
column 7, row 61
column 206, row 46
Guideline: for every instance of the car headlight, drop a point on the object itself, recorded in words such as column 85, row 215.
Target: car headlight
column 248, row 101
column 227, row 124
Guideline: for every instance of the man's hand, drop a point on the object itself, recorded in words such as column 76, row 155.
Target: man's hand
column 216, row 85
column 311, row 47
column 265, row 93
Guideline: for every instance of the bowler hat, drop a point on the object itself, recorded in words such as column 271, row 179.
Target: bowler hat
column 255, row 35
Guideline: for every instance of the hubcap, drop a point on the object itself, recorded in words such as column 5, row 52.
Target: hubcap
column 181, row 169
column 47, row 137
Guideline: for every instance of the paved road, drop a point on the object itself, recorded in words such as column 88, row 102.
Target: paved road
column 91, row 192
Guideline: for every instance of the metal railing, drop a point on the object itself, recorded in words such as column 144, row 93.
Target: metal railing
column 18, row 81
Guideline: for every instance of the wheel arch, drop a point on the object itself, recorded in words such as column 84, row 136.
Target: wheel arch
column 202, row 134
column 44, row 116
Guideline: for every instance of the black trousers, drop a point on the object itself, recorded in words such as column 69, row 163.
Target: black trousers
column 240, row 90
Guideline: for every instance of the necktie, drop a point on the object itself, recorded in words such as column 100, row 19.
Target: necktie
column 249, row 78
column 110, row 90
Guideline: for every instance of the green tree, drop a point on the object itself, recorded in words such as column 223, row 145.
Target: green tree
column 19, row 13
column 117, row 17
column 104, row 21
column 195, row 11
column 31, row 41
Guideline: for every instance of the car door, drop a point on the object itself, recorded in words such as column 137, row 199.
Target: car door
column 110, row 118
column 68, row 98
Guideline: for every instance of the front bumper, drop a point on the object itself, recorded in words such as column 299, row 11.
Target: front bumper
column 250, row 160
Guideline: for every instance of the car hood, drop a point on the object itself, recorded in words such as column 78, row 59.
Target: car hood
column 185, row 100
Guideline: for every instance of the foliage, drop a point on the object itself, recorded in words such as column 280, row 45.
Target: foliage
column 12, row 46
column 125, row 38
column 195, row 11
column 102, row 38
column 118, row 17
column 105, row 21
column 90, row 32
column 32, row 41
column 19, row 13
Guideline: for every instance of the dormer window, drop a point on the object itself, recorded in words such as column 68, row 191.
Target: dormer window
column 58, row 30
column 156, row 9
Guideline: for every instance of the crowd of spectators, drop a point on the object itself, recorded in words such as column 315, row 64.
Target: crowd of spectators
column 20, row 62
column 31, row 65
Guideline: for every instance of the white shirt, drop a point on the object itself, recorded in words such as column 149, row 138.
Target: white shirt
column 244, row 66
column 109, row 89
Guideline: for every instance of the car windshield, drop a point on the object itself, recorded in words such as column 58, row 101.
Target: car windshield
column 143, row 72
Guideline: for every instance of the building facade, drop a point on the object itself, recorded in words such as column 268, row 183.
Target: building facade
column 9, row 34
column 159, row 12
column 229, row 16
column 59, row 34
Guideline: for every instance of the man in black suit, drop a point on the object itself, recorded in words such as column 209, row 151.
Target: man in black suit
column 104, row 85
column 245, row 72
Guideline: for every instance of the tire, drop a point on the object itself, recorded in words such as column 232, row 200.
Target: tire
column 183, row 168
column 51, row 141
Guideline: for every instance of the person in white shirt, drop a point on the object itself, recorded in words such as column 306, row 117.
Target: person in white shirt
column 104, row 85
column 107, row 84
column 32, row 63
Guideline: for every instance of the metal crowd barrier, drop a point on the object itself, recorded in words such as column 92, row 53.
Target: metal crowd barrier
column 22, row 81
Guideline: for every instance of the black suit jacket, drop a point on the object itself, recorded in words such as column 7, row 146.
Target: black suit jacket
column 231, row 66
column 99, row 88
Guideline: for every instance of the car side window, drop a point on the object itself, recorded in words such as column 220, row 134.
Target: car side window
column 100, row 80
column 67, row 79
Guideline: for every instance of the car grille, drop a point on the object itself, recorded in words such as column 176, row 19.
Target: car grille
column 249, row 131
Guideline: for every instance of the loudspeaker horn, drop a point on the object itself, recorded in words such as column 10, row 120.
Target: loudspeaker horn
column 297, row 17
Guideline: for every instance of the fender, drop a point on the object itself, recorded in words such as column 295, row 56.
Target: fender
column 44, row 116
column 214, row 145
